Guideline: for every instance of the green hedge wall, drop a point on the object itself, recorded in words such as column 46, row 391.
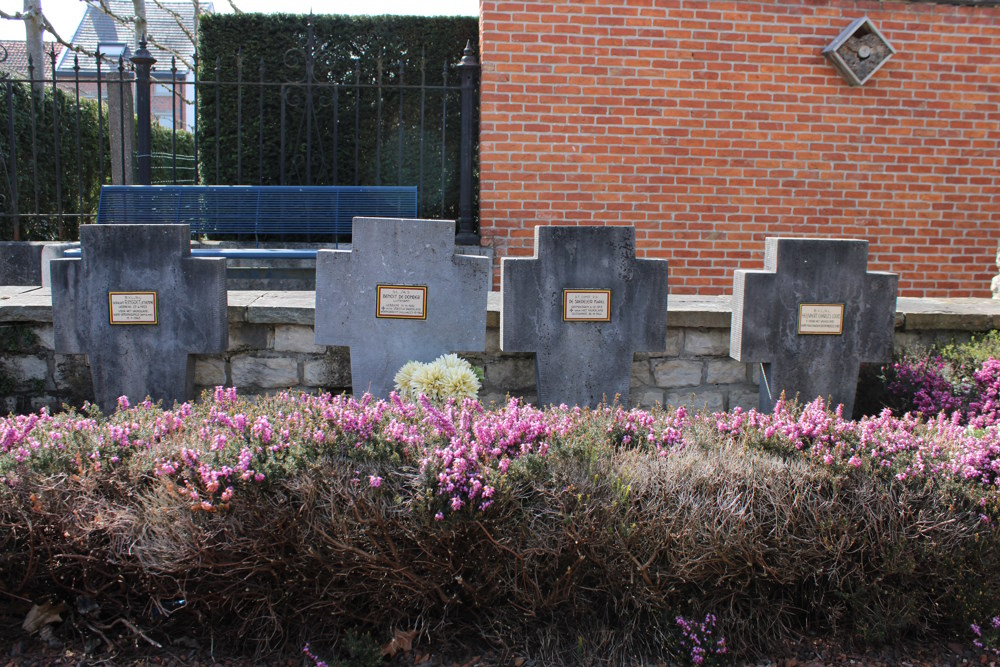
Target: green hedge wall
column 37, row 176
column 79, row 172
column 268, row 133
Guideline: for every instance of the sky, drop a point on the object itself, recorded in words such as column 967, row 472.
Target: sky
column 65, row 14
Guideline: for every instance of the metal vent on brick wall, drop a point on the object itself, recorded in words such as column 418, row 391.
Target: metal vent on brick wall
column 859, row 51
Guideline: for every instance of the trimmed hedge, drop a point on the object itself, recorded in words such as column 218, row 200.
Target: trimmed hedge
column 79, row 175
column 36, row 170
column 241, row 138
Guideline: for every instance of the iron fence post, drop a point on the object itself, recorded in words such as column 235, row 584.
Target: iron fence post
column 143, row 61
column 469, row 73
column 12, row 169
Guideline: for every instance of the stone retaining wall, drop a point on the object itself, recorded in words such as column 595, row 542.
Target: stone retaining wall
column 271, row 348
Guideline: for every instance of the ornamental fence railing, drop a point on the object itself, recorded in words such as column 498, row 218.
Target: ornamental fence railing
column 131, row 119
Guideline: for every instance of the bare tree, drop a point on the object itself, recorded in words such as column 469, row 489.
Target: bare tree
column 35, row 46
column 136, row 22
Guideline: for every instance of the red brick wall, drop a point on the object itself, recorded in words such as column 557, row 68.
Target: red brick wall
column 710, row 125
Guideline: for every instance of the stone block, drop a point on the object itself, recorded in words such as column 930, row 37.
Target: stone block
column 677, row 373
column 71, row 370
column 46, row 336
column 645, row 397
column 26, row 370
column 641, row 373
column 296, row 338
column 265, row 372
column 245, row 337
column 710, row 400
column 21, row 263
column 493, row 340
column 283, row 308
column 675, row 342
column 706, row 342
column 330, row 371
column 725, row 371
column 744, row 398
column 210, row 371
column 511, row 373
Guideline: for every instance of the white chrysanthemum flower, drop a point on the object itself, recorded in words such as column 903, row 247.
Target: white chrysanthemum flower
column 404, row 378
column 428, row 380
column 453, row 361
column 460, row 383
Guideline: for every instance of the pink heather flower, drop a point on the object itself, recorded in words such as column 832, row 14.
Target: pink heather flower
column 439, row 516
column 123, row 402
column 374, row 481
column 316, row 661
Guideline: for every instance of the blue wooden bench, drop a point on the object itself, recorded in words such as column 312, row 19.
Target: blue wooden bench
column 255, row 210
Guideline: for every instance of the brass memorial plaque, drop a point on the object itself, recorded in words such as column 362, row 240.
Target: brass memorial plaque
column 401, row 302
column 586, row 305
column 132, row 307
column 821, row 319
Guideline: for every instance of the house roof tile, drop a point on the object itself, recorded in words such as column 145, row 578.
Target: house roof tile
column 168, row 26
column 14, row 58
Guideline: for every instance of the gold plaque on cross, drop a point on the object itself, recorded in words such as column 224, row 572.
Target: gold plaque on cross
column 586, row 305
column 401, row 302
column 821, row 319
column 132, row 307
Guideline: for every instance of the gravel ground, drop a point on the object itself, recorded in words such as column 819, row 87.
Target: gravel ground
column 69, row 644
column 33, row 652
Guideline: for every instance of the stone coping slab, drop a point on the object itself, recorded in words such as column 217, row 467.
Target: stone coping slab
column 966, row 314
column 25, row 304
column 34, row 304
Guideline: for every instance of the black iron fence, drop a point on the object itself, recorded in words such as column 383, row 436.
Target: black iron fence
column 64, row 136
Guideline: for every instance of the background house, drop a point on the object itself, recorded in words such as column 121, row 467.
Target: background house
column 14, row 59
column 170, row 30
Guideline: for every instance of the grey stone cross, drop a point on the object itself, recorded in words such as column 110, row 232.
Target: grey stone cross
column 812, row 316
column 400, row 294
column 139, row 306
column 584, row 305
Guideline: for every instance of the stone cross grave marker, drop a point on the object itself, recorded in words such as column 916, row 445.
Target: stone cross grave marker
column 400, row 294
column 584, row 305
column 139, row 306
column 811, row 317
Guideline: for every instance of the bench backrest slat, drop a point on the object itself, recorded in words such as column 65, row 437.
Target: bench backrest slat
column 249, row 209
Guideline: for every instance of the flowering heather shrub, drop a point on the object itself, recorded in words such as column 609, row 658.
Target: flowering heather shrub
column 984, row 410
column 698, row 644
column 963, row 378
column 919, row 384
column 661, row 432
column 327, row 514
column 939, row 452
column 989, row 640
